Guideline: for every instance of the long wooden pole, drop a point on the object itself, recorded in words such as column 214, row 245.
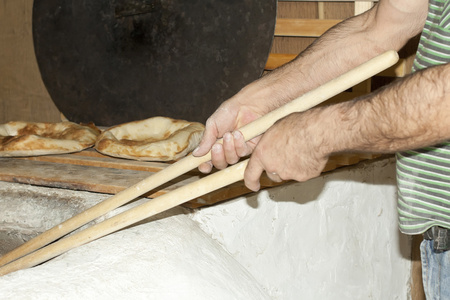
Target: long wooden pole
column 249, row 131
column 131, row 216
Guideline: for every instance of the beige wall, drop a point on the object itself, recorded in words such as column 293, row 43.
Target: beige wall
column 22, row 93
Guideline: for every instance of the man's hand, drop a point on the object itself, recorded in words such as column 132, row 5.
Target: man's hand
column 293, row 148
column 223, row 124
column 230, row 116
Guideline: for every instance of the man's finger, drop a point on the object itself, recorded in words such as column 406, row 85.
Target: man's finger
column 242, row 149
column 274, row 176
column 229, row 150
column 252, row 174
column 218, row 156
column 205, row 167
column 208, row 140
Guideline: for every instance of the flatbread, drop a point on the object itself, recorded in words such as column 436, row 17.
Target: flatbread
column 19, row 138
column 153, row 139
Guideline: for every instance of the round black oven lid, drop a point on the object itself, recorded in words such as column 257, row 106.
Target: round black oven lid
column 116, row 61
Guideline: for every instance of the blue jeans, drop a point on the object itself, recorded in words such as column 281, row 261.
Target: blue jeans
column 435, row 272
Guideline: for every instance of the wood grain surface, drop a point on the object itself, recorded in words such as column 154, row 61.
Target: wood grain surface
column 91, row 171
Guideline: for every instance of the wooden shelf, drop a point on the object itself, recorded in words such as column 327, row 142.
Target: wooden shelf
column 303, row 27
column 91, row 171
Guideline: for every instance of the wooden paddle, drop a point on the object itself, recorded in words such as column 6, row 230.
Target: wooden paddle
column 183, row 194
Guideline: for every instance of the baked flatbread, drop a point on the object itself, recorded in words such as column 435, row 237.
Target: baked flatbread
column 153, row 139
column 33, row 139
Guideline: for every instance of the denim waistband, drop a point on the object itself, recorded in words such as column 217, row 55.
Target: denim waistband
column 440, row 237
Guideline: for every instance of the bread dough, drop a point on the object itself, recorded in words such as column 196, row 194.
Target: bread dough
column 19, row 138
column 153, row 139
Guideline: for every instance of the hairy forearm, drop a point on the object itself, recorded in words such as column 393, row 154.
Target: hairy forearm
column 408, row 114
column 340, row 49
column 343, row 47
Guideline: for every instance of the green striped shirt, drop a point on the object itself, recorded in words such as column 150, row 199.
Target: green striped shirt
column 423, row 176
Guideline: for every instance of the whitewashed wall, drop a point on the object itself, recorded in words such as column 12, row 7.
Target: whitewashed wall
column 334, row 237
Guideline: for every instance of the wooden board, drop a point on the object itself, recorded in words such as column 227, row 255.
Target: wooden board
column 303, row 27
column 91, row 171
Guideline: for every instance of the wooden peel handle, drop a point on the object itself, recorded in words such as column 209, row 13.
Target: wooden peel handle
column 251, row 130
column 152, row 207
